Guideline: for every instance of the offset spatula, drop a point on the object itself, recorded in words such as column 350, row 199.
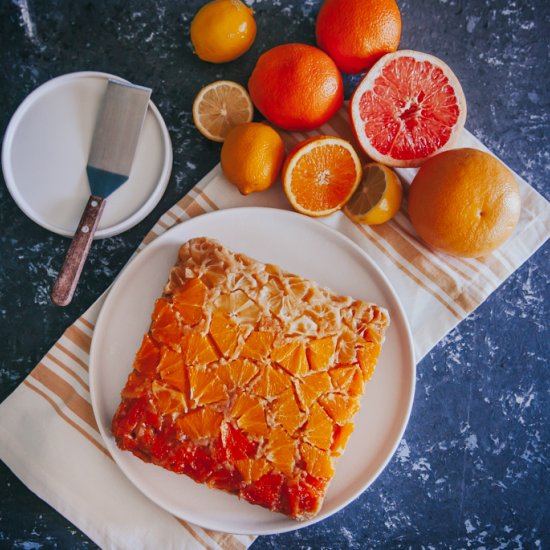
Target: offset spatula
column 113, row 148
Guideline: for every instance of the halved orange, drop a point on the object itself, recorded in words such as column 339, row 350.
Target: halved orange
column 221, row 106
column 320, row 174
column 378, row 197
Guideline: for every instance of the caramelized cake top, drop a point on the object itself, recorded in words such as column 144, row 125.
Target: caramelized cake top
column 248, row 378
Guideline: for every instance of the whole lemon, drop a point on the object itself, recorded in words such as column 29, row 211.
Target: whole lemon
column 252, row 156
column 464, row 202
column 223, row 30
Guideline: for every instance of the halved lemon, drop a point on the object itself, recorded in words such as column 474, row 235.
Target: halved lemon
column 378, row 197
column 221, row 106
column 320, row 174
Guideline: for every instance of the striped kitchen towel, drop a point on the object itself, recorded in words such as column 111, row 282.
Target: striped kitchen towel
column 48, row 434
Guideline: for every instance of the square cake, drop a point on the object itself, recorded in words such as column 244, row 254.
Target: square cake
column 248, row 379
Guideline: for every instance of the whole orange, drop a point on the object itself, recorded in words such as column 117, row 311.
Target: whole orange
column 357, row 33
column 464, row 202
column 296, row 86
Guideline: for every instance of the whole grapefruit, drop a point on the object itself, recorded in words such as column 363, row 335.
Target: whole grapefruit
column 464, row 202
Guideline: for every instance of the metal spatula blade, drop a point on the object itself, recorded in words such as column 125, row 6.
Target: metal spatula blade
column 114, row 145
column 116, row 136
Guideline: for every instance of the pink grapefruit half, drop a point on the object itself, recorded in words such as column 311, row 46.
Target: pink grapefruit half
column 409, row 107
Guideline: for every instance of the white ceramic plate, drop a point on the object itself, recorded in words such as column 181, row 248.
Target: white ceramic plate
column 297, row 244
column 46, row 148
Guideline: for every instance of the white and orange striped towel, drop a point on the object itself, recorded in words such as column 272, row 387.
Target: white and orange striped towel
column 48, row 435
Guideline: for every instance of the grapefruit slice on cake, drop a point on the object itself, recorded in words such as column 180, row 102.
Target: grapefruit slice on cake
column 409, row 107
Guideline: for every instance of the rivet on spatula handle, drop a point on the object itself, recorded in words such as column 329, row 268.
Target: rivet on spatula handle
column 67, row 279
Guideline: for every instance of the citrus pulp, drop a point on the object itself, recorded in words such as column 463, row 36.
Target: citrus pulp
column 409, row 107
column 320, row 174
column 221, row 106
column 377, row 198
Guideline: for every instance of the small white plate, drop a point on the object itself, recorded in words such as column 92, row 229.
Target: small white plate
column 46, row 148
column 302, row 246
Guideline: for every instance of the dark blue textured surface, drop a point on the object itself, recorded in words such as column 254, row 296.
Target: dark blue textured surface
column 473, row 468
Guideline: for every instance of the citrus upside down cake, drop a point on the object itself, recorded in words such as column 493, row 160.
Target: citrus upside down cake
column 248, row 379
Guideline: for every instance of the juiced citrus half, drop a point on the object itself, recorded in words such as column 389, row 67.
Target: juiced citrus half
column 409, row 107
column 378, row 197
column 221, row 106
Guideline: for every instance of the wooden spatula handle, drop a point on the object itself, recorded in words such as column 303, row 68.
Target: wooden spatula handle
column 67, row 279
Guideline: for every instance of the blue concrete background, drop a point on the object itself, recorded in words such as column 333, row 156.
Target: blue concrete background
column 473, row 468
